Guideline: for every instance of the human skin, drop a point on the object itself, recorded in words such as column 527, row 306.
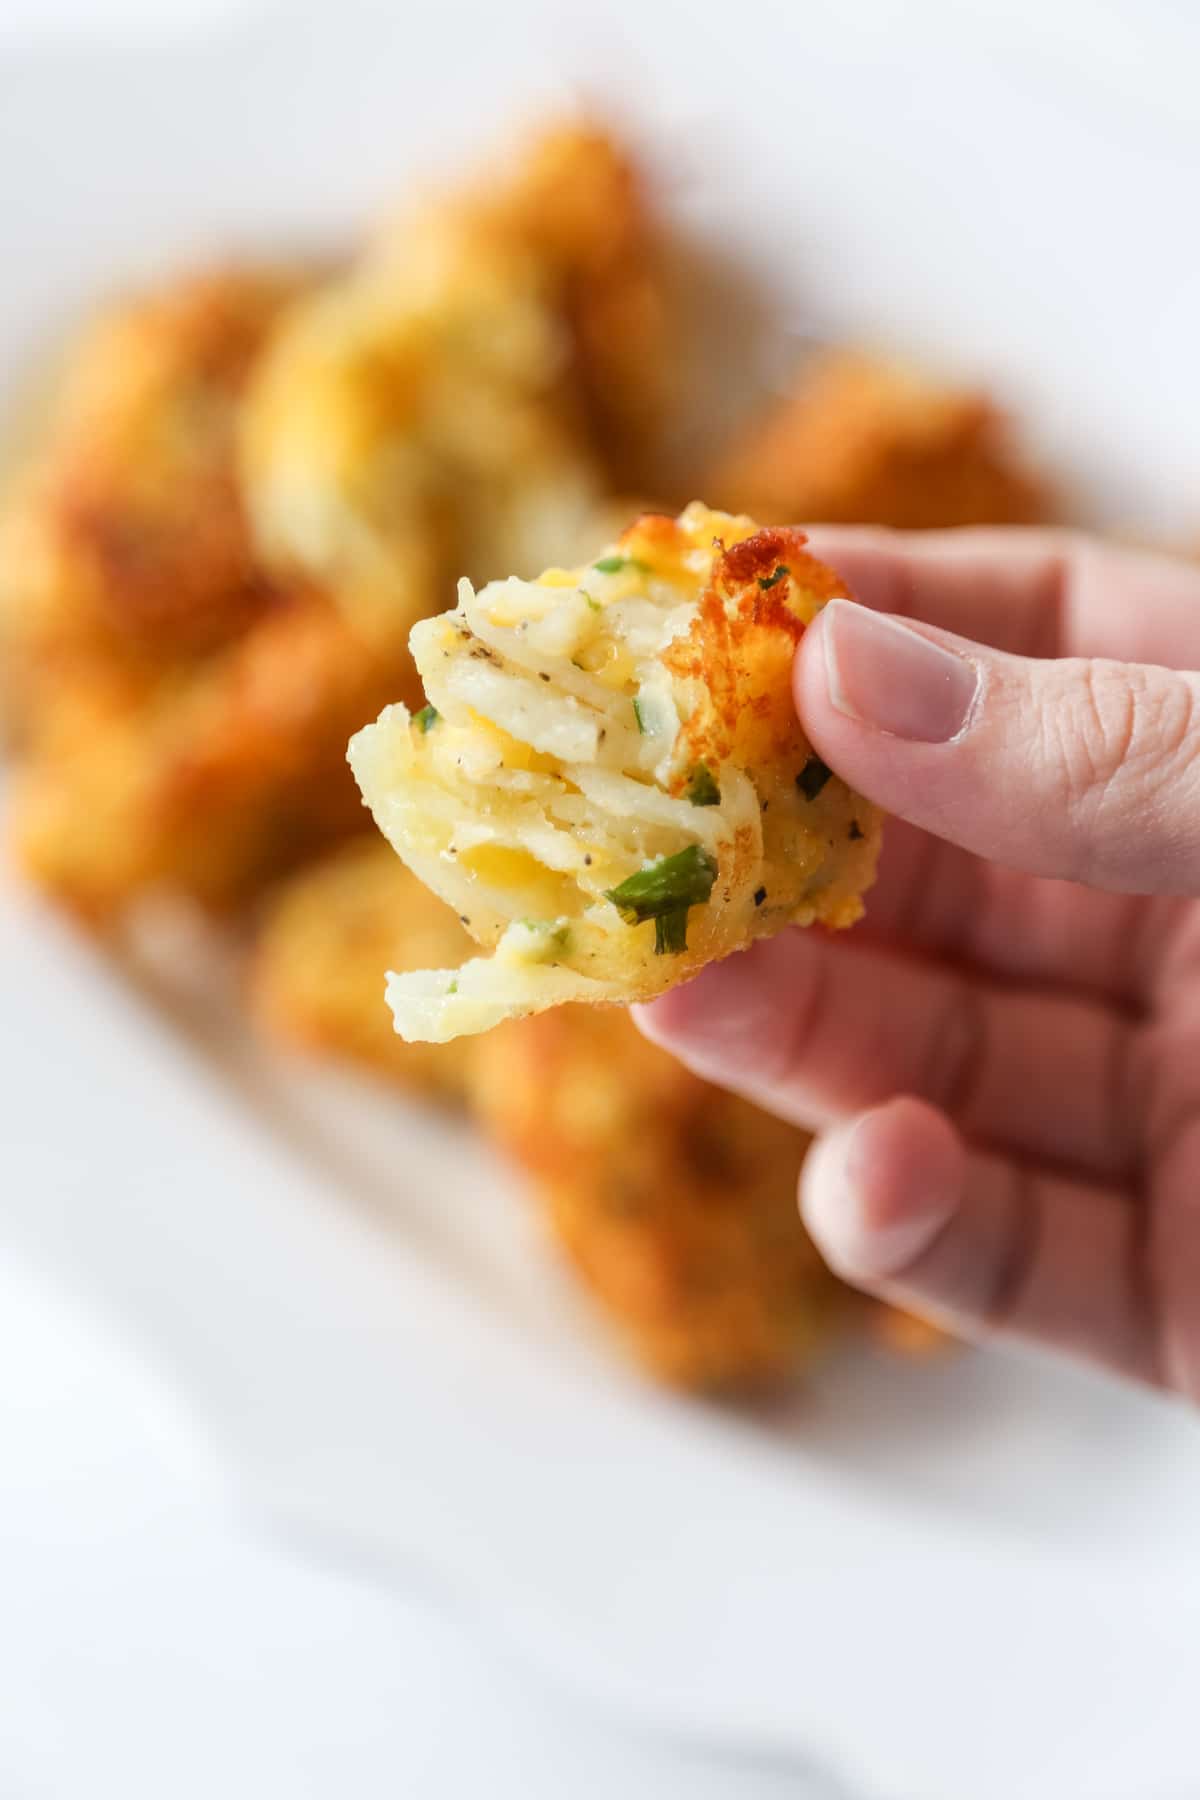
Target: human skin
column 1003, row 1061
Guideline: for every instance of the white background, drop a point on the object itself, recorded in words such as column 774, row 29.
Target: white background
column 154, row 1642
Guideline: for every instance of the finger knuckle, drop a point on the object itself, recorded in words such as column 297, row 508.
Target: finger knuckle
column 1096, row 729
column 957, row 1051
column 1121, row 736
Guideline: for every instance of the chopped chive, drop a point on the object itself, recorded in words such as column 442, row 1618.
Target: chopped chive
column 663, row 892
column 612, row 565
column 552, row 934
column 428, row 715
column 453, row 988
column 768, row 581
column 760, row 895
column 670, row 932
column 640, row 716
column 856, row 831
column 812, row 777
column 702, row 789
column 594, row 604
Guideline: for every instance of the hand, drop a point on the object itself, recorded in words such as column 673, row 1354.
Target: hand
column 1004, row 1058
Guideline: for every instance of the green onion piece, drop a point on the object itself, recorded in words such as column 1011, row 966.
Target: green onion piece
column 670, row 932
column 428, row 715
column 812, row 777
column 768, row 581
column 640, row 716
column 702, row 789
column 594, row 604
column 553, row 934
column 453, row 988
column 612, row 565
column 666, row 886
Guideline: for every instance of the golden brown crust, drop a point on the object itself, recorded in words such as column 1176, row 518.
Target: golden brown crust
column 864, row 441
column 180, row 702
column 323, row 948
column 208, row 779
column 675, row 1202
column 133, row 498
column 581, row 204
column 740, row 651
column 181, row 717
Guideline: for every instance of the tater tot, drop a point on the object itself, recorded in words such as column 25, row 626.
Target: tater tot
column 321, row 952
column 609, row 782
column 674, row 1201
column 476, row 380
column 861, row 440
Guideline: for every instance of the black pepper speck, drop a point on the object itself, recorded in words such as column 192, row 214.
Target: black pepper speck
column 812, row 777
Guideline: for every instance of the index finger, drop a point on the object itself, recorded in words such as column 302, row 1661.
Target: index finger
column 1033, row 592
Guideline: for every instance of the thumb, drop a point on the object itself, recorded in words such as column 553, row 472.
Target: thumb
column 1076, row 767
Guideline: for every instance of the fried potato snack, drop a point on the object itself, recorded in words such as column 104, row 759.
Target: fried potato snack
column 863, row 441
column 675, row 1201
column 181, row 716
column 609, row 783
column 252, row 483
column 123, row 537
column 324, row 945
column 475, row 382
column 207, row 782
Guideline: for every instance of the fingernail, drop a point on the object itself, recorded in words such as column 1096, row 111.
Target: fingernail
column 881, row 671
column 838, row 1196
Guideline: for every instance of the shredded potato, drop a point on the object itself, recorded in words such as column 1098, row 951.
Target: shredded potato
column 609, row 783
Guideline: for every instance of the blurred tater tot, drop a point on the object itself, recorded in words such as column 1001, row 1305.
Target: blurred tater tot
column 580, row 202
column 251, row 483
column 181, row 716
column 675, row 1201
column 123, row 536
column 206, row 782
column 861, row 440
column 909, row 1336
column 478, row 379
column 322, row 950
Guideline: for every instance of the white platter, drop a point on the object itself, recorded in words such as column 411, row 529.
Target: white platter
column 974, row 1579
